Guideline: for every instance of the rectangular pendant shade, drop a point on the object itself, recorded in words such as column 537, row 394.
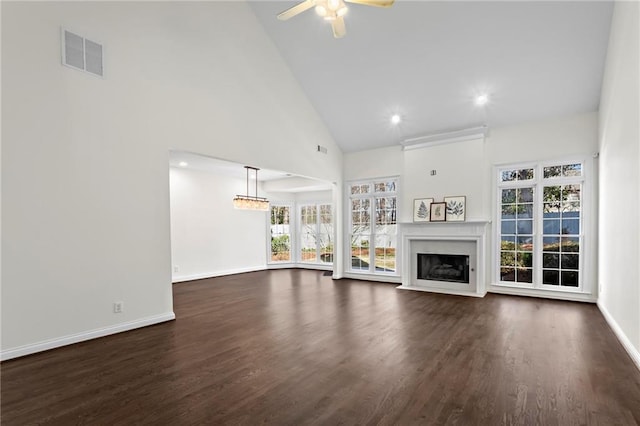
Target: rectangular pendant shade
column 247, row 202
column 250, row 203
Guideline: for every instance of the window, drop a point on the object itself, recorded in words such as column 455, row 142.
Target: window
column 561, row 229
column 540, row 219
column 316, row 233
column 373, row 212
column 280, row 234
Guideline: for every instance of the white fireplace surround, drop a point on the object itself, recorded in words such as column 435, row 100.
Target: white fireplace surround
column 451, row 236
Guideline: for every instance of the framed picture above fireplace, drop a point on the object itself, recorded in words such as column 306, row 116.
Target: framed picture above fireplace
column 456, row 208
column 422, row 209
column 438, row 212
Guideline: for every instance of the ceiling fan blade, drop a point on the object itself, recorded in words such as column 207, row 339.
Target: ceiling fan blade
column 376, row 3
column 339, row 30
column 298, row 8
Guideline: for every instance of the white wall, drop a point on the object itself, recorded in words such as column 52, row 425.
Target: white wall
column 555, row 138
column 209, row 237
column 571, row 138
column 373, row 163
column 620, row 179
column 85, row 182
column 460, row 170
column 314, row 197
column 466, row 168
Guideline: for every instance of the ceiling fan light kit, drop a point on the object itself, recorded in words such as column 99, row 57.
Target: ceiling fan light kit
column 332, row 11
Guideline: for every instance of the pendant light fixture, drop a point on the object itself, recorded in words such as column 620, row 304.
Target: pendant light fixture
column 247, row 202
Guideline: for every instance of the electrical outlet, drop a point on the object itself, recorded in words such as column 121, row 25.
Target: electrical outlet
column 118, row 307
column 176, row 268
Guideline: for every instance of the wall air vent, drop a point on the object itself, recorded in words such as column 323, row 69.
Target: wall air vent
column 81, row 53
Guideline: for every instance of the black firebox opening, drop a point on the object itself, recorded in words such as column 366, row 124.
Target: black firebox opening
column 443, row 267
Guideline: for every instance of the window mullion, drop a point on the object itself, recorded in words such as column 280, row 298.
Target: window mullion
column 318, row 220
column 538, row 231
column 372, row 234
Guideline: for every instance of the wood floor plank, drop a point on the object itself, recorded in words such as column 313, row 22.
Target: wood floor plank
column 293, row 347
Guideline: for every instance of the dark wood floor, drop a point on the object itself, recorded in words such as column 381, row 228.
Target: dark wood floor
column 293, row 347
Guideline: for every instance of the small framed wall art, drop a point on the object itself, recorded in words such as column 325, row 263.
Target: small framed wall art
column 422, row 209
column 456, row 208
column 438, row 212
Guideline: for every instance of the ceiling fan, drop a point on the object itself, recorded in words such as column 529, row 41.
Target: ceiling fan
column 331, row 10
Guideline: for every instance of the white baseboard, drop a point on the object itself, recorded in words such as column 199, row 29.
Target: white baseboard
column 441, row 291
column 314, row 267
column 633, row 352
column 309, row 266
column 213, row 274
column 288, row 265
column 86, row 335
column 571, row 297
column 183, row 278
column 389, row 279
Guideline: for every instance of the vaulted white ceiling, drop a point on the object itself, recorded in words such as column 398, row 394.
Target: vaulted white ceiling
column 426, row 61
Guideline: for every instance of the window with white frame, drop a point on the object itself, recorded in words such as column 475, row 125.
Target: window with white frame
column 316, row 233
column 280, row 233
column 373, row 225
column 540, row 219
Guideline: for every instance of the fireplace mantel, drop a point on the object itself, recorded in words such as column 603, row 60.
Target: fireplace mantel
column 474, row 231
column 465, row 224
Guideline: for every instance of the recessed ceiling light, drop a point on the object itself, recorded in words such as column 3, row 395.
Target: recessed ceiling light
column 183, row 164
column 482, row 99
column 395, row 119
